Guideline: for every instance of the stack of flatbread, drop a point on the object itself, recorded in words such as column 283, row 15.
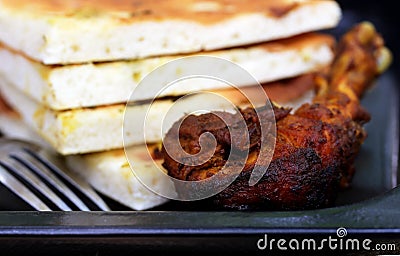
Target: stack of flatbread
column 69, row 67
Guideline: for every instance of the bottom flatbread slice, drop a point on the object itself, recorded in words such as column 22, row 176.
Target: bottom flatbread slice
column 107, row 172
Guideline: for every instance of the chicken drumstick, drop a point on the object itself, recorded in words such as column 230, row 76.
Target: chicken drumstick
column 315, row 146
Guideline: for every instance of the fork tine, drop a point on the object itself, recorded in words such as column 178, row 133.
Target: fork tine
column 51, row 168
column 28, row 176
column 57, row 166
column 47, row 175
column 21, row 190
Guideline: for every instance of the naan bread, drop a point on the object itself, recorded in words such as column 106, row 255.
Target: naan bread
column 75, row 31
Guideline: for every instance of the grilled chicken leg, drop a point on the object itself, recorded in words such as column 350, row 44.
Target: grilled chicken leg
column 315, row 146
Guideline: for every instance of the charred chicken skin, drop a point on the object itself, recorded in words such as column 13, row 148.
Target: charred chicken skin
column 316, row 145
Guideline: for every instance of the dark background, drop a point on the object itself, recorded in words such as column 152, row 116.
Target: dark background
column 384, row 14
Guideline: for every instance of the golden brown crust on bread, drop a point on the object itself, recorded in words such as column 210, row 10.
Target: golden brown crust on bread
column 138, row 10
column 6, row 109
column 299, row 42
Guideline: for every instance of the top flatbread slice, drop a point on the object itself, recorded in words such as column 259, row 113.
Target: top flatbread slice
column 74, row 31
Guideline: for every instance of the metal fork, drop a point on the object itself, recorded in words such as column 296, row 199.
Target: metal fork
column 41, row 179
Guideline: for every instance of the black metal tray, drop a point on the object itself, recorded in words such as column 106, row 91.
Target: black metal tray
column 371, row 207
